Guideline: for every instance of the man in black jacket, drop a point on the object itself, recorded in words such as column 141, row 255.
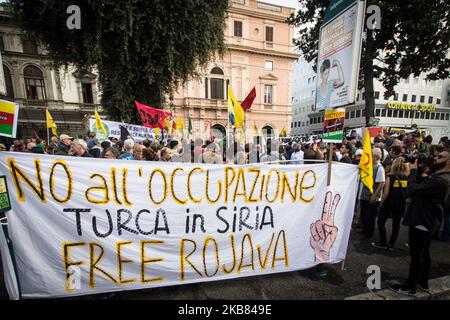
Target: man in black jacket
column 423, row 217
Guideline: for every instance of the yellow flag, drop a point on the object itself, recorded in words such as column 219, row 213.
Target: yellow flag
column 166, row 124
column 366, row 164
column 255, row 128
column 180, row 124
column 50, row 123
column 156, row 132
column 283, row 132
column 99, row 124
column 239, row 114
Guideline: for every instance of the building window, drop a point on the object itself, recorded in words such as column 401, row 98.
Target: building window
column 389, row 113
column 377, row 112
column 364, row 96
column 422, row 99
column 238, row 28
column 269, row 65
column 401, row 114
column 8, row 83
column 405, row 97
column 357, row 97
column 395, row 96
column 217, row 84
column 413, row 98
column 447, row 116
column 206, row 88
column 268, row 94
column 427, row 115
column 442, row 116
column 432, row 116
column 29, row 46
column 430, row 99
column 383, row 112
column 438, row 100
column 406, row 114
column 269, row 34
column 34, row 83
column 377, row 94
column 358, row 113
column 395, row 114
column 88, row 96
column 352, row 114
column 2, row 45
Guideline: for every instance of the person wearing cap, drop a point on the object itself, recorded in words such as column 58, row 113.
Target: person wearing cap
column 80, row 149
column 128, row 145
column 2, row 147
column 64, row 145
column 358, row 155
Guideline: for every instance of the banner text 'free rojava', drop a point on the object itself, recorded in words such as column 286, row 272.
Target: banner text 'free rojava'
column 83, row 226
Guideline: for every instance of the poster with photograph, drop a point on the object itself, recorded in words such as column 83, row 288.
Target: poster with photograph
column 339, row 55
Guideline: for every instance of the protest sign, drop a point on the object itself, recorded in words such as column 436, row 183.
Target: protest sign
column 9, row 117
column 84, row 227
column 339, row 54
column 333, row 130
column 113, row 129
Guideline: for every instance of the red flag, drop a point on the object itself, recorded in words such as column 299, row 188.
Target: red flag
column 151, row 117
column 247, row 103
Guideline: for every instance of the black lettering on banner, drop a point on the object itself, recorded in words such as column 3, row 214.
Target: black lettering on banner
column 121, row 225
column 166, row 225
column 138, row 227
column 270, row 222
column 242, row 221
column 195, row 217
column 77, row 217
column 222, row 219
column 110, row 223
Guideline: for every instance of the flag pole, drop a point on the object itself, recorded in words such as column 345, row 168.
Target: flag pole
column 48, row 137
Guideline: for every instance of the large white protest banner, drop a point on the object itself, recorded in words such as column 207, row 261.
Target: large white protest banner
column 81, row 226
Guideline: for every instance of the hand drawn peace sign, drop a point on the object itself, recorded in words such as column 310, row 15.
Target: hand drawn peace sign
column 324, row 232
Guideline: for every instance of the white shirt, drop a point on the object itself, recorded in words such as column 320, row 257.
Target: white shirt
column 298, row 157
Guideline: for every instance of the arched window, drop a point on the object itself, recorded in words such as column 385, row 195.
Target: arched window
column 268, row 132
column 34, row 83
column 216, row 84
column 8, row 83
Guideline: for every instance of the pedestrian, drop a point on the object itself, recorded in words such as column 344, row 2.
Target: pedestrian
column 128, row 146
column 345, row 152
column 111, row 153
column 423, row 217
column 80, row 149
column 211, row 154
column 370, row 202
column 393, row 203
column 64, row 145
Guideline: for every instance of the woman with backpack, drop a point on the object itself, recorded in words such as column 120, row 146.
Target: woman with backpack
column 393, row 202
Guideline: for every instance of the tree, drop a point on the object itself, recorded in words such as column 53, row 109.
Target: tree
column 142, row 49
column 414, row 38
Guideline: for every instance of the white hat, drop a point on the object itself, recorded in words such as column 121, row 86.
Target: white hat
column 65, row 136
column 359, row 152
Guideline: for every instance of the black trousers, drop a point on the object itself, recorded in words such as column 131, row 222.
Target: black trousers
column 368, row 217
column 419, row 250
column 396, row 219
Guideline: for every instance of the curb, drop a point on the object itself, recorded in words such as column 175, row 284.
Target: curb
column 438, row 288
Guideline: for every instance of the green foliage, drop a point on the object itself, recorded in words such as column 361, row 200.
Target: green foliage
column 414, row 38
column 142, row 49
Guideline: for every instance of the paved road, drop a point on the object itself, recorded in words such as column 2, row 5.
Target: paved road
column 339, row 284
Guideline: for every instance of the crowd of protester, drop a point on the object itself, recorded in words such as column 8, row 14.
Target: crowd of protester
column 405, row 167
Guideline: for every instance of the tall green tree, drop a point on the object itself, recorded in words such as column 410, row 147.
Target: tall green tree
column 414, row 37
column 142, row 49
